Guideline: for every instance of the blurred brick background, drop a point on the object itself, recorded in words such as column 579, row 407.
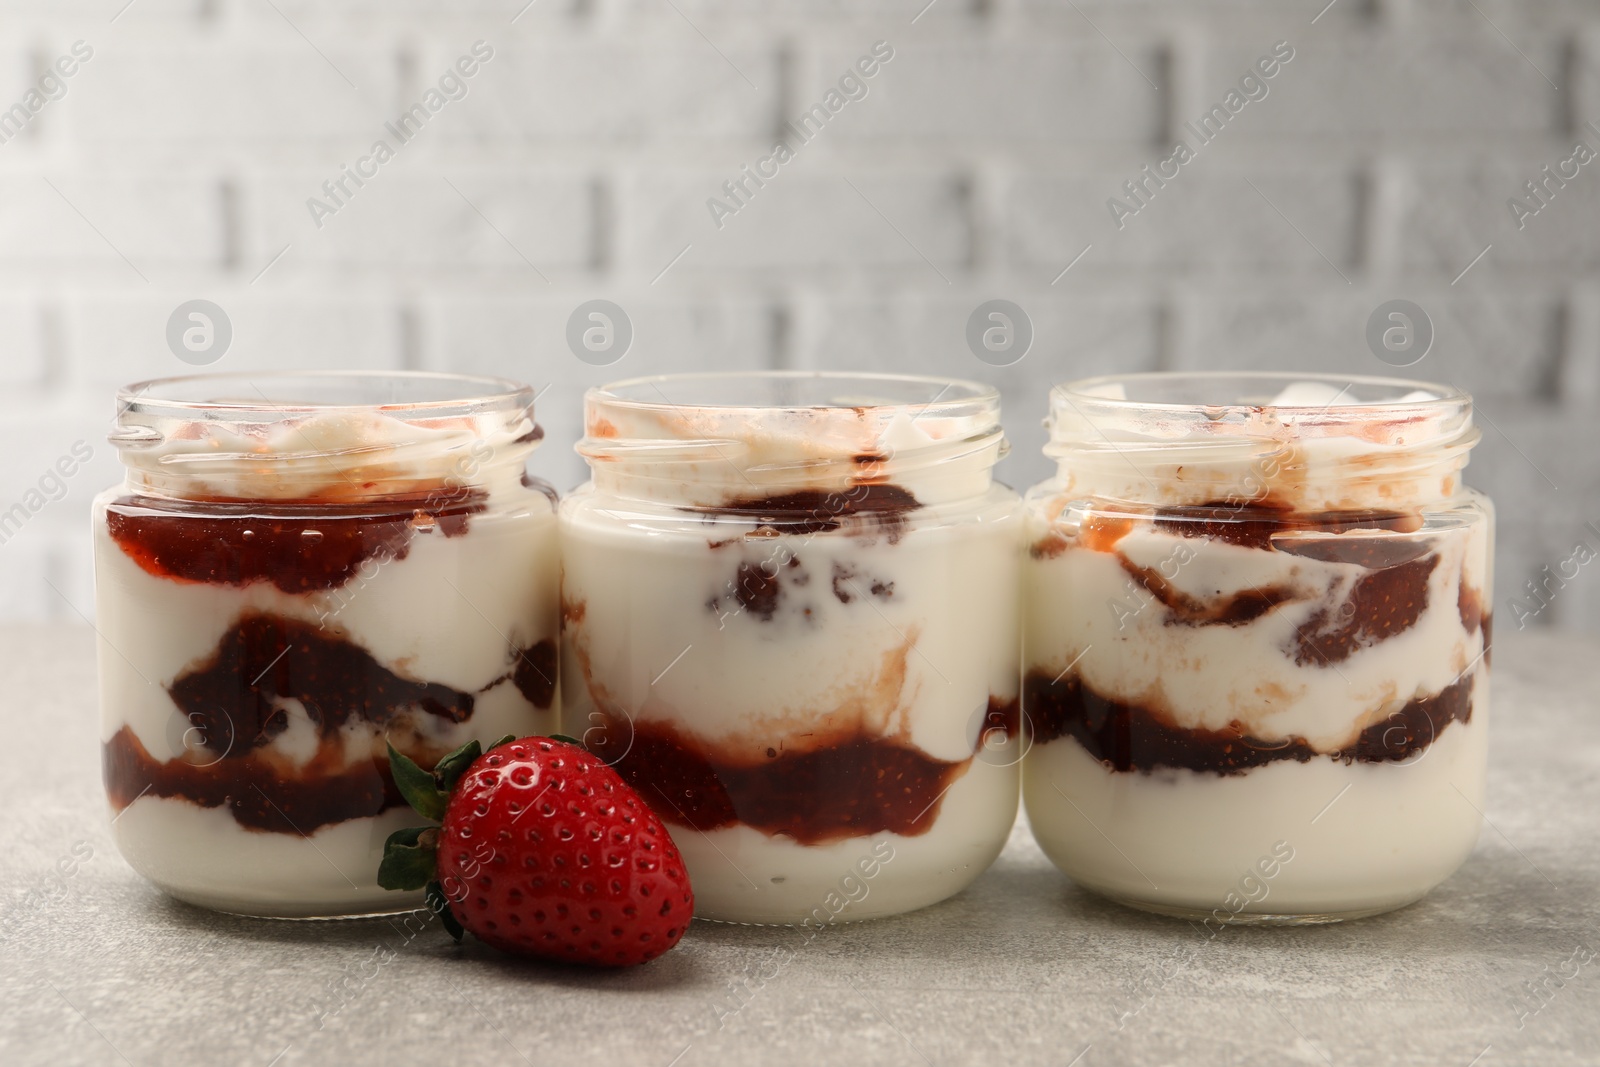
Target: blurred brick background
column 178, row 163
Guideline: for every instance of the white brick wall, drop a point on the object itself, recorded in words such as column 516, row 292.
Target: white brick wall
column 978, row 165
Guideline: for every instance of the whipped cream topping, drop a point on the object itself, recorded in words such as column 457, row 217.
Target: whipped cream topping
column 710, row 456
column 332, row 455
column 1308, row 447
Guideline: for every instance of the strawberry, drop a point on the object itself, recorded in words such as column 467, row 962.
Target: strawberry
column 541, row 850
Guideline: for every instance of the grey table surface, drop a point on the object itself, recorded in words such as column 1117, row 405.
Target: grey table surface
column 96, row 967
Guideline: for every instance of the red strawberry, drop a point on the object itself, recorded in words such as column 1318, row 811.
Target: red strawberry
column 543, row 850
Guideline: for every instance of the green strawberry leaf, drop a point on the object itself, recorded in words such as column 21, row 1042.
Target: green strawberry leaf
column 506, row 740
column 450, row 768
column 565, row 740
column 410, row 858
column 417, row 785
column 441, row 907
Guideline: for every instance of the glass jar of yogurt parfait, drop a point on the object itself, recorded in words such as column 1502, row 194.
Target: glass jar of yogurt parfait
column 1256, row 643
column 296, row 569
column 789, row 619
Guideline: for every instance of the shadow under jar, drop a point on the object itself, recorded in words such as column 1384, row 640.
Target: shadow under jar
column 789, row 619
column 1256, row 643
column 296, row 569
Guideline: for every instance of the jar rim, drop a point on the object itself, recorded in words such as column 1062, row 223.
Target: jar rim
column 291, row 435
column 410, row 394
column 705, row 438
column 1442, row 395
column 949, row 394
column 1154, row 437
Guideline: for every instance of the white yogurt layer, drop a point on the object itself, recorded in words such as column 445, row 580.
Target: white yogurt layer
column 1365, row 837
column 200, row 855
column 743, row 875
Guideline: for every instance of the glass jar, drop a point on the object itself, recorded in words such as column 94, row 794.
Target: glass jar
column 1256, row 643
column 296, row 569
column 789, row 620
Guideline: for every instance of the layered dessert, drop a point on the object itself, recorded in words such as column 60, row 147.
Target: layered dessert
column 789, row 619
column 285, row 585
column 1258, row 624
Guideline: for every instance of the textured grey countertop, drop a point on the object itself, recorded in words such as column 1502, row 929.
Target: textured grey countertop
column 1022, row 968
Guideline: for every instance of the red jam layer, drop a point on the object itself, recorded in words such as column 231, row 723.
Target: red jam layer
column 1251, row 525
column 300, row 547
column 259, row 793
column 535, row 673
column 780, row 581
column 263, row 659
column 1130, row 737
column 863, row 510
column 854, row 785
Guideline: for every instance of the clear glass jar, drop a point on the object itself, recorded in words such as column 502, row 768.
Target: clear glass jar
column 789, row 618
column 1256, row 641
column 296, row 569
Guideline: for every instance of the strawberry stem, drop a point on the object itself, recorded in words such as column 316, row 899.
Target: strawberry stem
column 410, row 858
column 419, row 787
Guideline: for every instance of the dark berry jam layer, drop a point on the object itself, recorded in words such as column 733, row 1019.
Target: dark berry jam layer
column 1128, row 737
column 232, row 706
column 260, row 793
column 756, row 588
column 1469, row 602
column 1241, row 607
column 777, row 581
column 1002, row 715
column 233, row 698
column 1383, row 603
column 535, row 673
column 1387, row 600
column 300, row 547
column 864, row 510
column 1258, row 524
column 851, row 785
